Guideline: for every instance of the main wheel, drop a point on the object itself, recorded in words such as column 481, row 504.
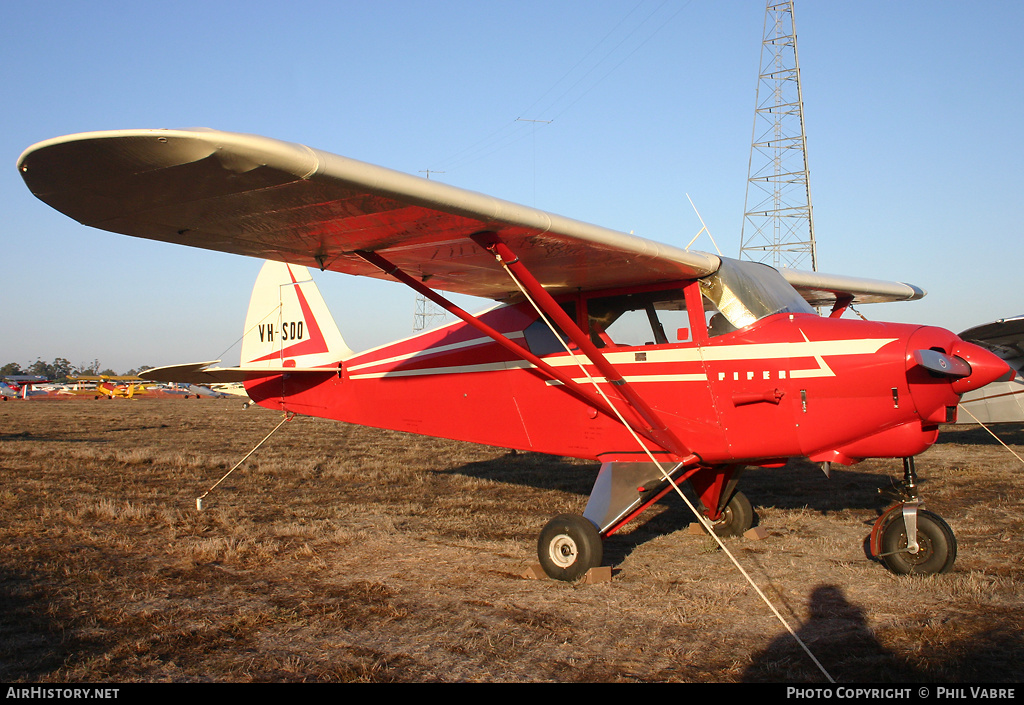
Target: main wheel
column 737, row 517
column 568, row 547
column 936, row 546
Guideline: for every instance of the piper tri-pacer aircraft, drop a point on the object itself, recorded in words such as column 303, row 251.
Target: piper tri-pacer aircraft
column 666, row 365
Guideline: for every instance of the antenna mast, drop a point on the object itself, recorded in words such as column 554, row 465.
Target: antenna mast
column 778, row 222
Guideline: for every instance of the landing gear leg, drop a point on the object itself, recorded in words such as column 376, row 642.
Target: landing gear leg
column 910, row 540
column 909, row 487
column 728, row 517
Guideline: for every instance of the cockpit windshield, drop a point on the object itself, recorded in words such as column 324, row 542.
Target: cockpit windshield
column 745, row 292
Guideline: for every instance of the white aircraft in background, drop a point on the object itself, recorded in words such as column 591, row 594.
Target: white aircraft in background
column 1002, row 401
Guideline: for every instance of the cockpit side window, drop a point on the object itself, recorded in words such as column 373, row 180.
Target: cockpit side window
column 718, row 324
column 646, row 318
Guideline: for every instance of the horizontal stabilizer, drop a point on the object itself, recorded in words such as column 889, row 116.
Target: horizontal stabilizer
column 204, row 373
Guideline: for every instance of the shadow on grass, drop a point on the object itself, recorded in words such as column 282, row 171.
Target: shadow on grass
column 25, row 436
column 536, row 470
column 860, row 489
column 1009, row 433
column 800, row 484
column 33, row 641
column 838, row 635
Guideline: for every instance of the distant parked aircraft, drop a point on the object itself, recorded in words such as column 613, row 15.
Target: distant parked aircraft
column 1002, row 401
column 20, row 386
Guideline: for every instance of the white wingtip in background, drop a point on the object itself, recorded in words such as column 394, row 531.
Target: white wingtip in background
column 288, row 323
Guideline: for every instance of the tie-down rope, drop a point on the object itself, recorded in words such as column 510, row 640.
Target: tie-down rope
column 990, row 432
column 199, row 499
column 666, row 476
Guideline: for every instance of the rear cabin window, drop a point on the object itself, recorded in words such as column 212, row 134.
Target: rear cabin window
column 539, row 338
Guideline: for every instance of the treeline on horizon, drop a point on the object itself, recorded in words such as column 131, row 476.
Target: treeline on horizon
column 61, row 369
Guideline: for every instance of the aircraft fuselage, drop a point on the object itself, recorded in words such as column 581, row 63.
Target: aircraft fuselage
column 787, row 385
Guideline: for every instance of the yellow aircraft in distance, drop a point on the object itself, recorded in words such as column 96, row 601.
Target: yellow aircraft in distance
column 111, row 386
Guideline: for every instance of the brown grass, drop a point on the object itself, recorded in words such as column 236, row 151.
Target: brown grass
column 340, row 553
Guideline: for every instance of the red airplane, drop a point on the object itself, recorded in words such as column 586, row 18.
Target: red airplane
column 665, row 365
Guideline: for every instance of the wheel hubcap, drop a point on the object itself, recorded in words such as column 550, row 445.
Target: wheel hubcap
column 724, row 518
column 924, row 549
column 563, row 551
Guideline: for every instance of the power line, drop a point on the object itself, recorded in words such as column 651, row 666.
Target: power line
column 514, row 131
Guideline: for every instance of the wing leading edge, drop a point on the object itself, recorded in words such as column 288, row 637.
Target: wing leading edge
column 283, row 201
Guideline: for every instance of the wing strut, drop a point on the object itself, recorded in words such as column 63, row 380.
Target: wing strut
column 565, row 382
column 654, row 427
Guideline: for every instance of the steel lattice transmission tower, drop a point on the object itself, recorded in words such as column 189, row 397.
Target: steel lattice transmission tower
column 778, row 222
column 426, row 311
column 426, row 314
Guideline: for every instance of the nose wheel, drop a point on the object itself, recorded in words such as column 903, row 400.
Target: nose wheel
column 910, row 540
column 933, row 549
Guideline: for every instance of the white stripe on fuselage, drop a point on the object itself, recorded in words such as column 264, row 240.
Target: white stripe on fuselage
column 454, row 370
column 752, row 352
column 426, row 352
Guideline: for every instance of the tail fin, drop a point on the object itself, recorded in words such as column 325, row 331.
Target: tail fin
column 288, row 323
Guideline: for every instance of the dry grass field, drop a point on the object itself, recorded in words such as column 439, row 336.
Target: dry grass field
column 340, row 553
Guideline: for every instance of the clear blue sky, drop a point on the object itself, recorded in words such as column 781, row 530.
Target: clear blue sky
column 913, row 115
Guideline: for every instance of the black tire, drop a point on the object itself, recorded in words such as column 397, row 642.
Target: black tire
column 737, row 517
column 936, row 546
column 569, row 546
